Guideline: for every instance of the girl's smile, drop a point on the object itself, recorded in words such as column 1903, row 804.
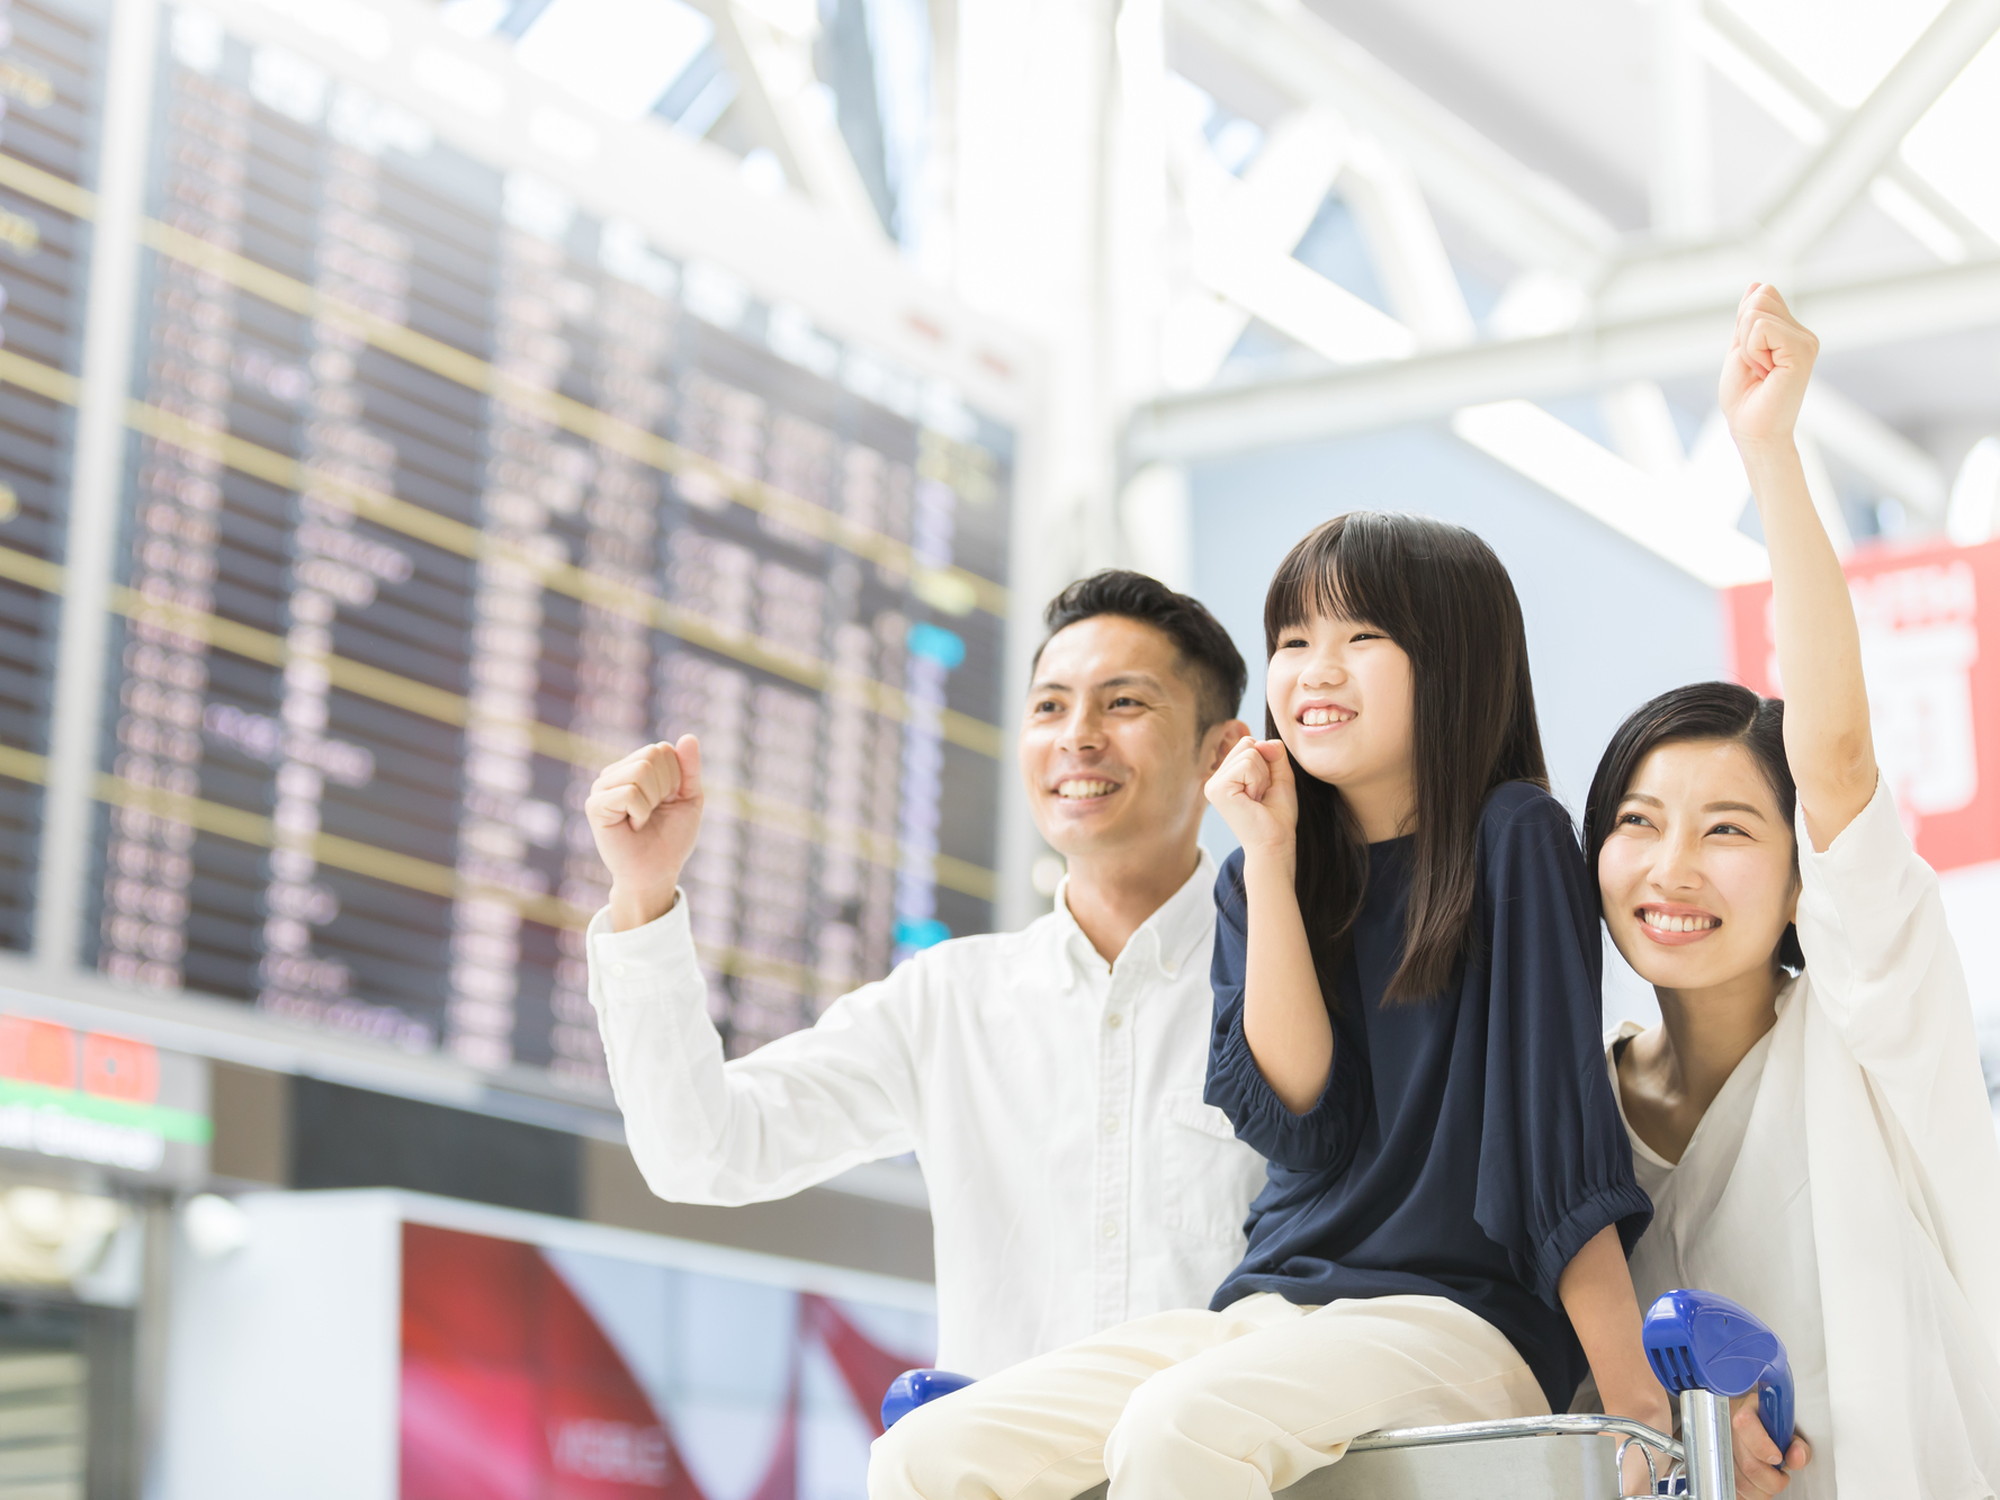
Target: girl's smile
column 1324, row 716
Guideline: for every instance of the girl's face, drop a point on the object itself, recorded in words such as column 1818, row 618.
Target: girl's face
column 1697, row 876
column 1344, row 699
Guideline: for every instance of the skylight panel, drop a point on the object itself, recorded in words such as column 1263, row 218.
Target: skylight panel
column 619, row 54
column 1844, row 46
column 1953, row 145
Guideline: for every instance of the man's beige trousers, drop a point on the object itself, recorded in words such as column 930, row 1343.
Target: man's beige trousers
column 1195, row 1405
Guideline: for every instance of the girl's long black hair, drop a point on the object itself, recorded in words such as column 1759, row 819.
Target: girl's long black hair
column 1439, row 592
column 1699, row 711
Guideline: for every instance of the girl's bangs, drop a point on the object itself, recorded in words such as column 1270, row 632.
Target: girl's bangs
column 1331, row 572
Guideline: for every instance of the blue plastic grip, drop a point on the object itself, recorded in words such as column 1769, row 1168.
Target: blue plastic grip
column 1703, row 1341
column 913, row 1388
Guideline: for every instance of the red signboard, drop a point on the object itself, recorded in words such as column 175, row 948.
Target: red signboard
column 96, row 1062
column 513, row 1389
column 510, row 1389
column 1930, row 639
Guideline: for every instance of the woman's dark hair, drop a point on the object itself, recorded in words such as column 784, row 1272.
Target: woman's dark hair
column 1439, row 593
column 1213, row 662
column 1699, row 711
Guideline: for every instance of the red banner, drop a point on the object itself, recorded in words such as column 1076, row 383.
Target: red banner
column 866, row 1368
column 1930, row 639
column 510, row 1389
column 513, row 1391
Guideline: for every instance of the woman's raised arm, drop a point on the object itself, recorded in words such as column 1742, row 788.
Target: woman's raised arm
column 1827, row 738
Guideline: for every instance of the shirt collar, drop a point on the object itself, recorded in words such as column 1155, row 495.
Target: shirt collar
column 1167, row 939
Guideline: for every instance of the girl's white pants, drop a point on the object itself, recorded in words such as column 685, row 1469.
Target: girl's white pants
column 1196, row 1405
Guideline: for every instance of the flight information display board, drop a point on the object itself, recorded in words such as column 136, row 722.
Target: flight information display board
column 51, row 64
column 441, row 491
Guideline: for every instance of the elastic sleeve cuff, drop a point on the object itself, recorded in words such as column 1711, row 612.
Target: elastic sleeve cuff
column 1321, row 1139
column 1624, row 1204
column 629, row 965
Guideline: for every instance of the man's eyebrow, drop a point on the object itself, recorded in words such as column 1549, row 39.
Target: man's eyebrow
column 1123, row 679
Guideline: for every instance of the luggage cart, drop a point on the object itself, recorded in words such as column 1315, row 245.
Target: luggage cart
column 1704, row 1348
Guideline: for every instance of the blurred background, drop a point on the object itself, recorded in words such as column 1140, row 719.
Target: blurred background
column 407, row 407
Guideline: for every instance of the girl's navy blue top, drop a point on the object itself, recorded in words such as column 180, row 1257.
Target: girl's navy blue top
column 1465, row 1146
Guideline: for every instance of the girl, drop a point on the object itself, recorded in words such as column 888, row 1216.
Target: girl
column 1809, row 1116
column 1407, row 1019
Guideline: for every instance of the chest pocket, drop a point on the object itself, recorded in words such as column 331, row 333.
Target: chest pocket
column 1198, row 1114
column 1215, row 1175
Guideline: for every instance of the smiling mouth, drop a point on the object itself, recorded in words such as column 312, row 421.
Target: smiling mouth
column 1084, row 788
column 1322, row 718
column 1675, row 929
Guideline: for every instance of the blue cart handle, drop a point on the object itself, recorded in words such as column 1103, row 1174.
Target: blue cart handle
column 915, row 1388
column 1701, row 1341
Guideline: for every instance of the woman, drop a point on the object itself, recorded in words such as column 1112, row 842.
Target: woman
column 1809, row 1117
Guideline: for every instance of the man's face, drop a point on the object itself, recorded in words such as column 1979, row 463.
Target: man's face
column 1111, row 749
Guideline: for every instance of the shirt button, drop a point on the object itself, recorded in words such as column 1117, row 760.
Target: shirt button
column 1111, row 1124
column 1114, row 1020
column 1111, row 1229
column 618, row 971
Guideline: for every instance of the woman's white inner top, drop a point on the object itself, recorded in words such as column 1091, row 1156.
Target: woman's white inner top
column 1719, row 1199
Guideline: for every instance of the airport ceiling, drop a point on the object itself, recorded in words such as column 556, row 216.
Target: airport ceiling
column 1571, row 89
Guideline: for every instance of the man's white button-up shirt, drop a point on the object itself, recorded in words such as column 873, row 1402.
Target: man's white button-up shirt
column 1076, row 1178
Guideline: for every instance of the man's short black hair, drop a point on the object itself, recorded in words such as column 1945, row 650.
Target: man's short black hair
column 1205, row 647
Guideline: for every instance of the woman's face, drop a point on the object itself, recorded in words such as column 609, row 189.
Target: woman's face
column 1697, row 877
column 1344, row 700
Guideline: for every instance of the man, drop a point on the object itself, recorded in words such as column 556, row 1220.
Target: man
column 1049, row 1080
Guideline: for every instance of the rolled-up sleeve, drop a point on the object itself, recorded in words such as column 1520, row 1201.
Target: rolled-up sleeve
column 797, row 1111
column 1872, row 926
column 1885, row 975
column 1555, row 1165
column 1322, row 1138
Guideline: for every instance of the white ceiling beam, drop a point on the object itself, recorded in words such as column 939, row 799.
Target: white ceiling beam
column 1716, row 481
column 1243, row 232
column 1267, row 212
column 1847, row 316
column 1409, row 254
column 1291, row 174
column 1868, row 138
column 1525, row 214
column 1871, row 446
column 1682, row 187
column 1642, row 428
column 1862, row 144
column 1975, row 495
column 1647, row 508
column 1825, row 495
column 1295, row 299
column 775, row 65
column 1809, row 113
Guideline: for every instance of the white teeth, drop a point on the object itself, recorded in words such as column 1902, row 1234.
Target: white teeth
column 1661, row 922
column 1313, row 718
column 1081, row 789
